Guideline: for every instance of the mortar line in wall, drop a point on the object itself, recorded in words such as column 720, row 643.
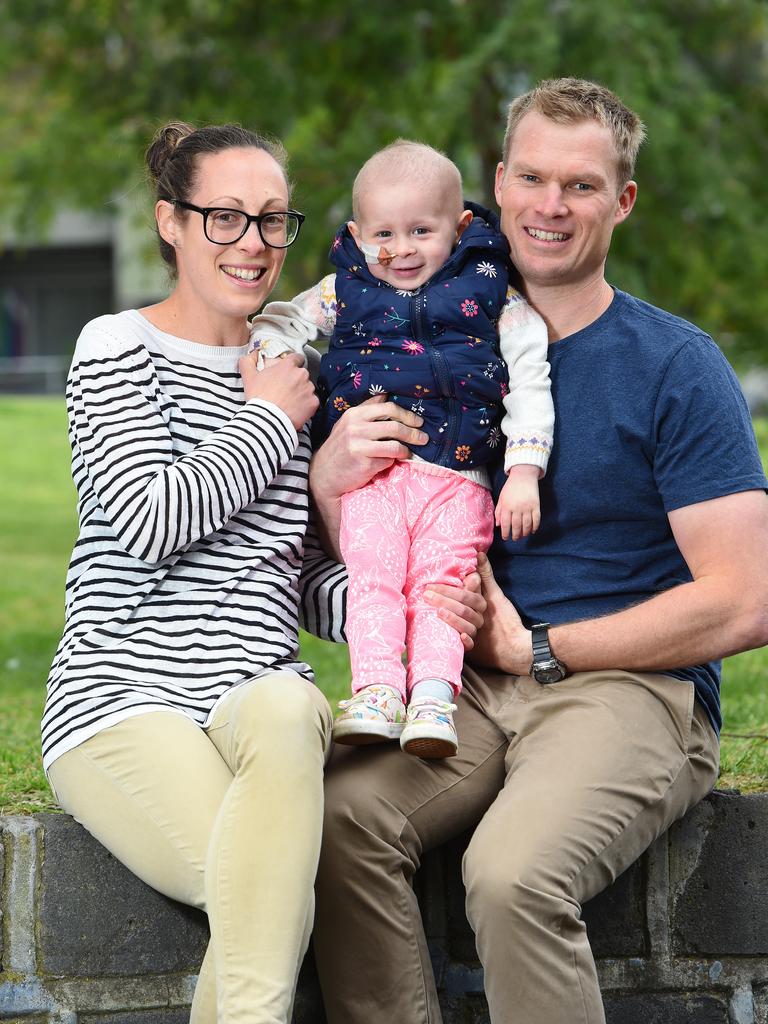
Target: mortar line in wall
column 658, row 898
column 37, row 898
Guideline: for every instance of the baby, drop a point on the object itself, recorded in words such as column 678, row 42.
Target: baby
column 420, row 311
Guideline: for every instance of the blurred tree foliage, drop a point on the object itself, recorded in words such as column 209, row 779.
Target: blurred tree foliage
column 84, row 83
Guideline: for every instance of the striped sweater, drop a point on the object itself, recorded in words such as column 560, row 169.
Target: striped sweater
column 193, row 563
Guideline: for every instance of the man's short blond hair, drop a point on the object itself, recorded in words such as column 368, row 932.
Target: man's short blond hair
column 573, row 100
column 404, row 160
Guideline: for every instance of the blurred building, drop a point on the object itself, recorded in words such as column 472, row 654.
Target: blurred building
column 84, row 265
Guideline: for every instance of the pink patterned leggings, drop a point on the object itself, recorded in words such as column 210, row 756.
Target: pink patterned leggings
column 412, row 525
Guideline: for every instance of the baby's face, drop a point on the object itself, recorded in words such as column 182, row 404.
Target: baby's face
column 413, row 221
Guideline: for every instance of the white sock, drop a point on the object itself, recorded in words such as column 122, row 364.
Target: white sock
column 433, row 688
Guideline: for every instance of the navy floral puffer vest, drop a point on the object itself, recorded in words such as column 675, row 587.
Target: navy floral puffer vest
column 434, row 350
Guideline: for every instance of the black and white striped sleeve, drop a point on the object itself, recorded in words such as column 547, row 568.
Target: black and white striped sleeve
column 323, row 587
column 158, row 504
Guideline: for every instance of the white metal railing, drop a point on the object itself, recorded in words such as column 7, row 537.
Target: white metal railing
column 45, row 374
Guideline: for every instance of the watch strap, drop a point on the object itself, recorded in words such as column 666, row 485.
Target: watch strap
column 540, row 642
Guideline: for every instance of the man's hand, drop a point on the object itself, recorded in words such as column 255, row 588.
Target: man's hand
column 503, row 643
column 367, row 439
column 462, row 607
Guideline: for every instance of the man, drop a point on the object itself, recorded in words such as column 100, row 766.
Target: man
column 584, row 740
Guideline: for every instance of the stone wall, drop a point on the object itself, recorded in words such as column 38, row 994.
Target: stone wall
column 681, row 937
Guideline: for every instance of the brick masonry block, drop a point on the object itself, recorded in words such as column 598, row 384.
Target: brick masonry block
column 719, row 877
column 615, row 918
column 471, row 1009
column 308, row 1005
column 96, row 918
column 666, row 1008
column 461, row 938
column 761, row 1004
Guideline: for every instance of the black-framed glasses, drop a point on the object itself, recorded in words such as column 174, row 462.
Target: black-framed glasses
column 278, row 228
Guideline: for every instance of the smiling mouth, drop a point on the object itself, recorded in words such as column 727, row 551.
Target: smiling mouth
column 546, row 236
column 243, row 274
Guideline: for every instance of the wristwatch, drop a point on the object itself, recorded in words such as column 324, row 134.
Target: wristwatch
column 545, row 667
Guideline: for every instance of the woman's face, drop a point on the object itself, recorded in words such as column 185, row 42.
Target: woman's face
column 229, row 280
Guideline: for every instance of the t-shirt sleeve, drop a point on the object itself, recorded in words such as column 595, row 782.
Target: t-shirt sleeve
column 705, row 445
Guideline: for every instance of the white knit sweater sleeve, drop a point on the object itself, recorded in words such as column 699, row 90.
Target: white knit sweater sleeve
column 157, row 502
column 529, row 415
column 292, row 326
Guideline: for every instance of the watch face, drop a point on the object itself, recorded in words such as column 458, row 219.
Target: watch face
column 551, row 671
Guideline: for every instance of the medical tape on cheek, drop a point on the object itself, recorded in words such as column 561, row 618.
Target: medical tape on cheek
column 376, row 254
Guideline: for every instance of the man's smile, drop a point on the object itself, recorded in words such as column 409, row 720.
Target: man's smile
column 546, row 236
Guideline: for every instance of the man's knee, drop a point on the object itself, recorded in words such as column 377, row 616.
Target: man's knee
column 511, row 882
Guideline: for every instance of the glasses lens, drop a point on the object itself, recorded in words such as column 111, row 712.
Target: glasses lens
column 225, row 225
column 279, row 229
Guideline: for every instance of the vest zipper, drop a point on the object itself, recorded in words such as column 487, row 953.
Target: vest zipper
column 440, row 370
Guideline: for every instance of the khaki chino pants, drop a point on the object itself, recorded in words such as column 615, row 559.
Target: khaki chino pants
column 228, row 820
column 569, row 783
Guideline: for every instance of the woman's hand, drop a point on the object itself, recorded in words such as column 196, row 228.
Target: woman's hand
column 367, row 439
column 285, row 382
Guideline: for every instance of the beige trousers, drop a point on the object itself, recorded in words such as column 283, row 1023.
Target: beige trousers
column 227, row 819
column 569, row 783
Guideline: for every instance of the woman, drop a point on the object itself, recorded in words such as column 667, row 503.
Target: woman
column 176, row 691
column 181, row 728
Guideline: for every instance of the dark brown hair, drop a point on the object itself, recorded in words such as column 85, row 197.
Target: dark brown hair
column 172, row 161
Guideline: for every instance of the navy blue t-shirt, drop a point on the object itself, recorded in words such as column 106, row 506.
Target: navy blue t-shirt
column 649, row 417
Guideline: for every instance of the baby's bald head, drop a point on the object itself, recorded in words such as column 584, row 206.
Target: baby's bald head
column 402, row 163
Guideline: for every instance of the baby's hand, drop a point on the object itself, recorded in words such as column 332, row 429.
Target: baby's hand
column 258, row 349
column 517, row 510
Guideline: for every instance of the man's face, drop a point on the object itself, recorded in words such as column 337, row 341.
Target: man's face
column 560, row 200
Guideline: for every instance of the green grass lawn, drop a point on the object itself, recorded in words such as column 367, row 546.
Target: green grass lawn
column 37, row 529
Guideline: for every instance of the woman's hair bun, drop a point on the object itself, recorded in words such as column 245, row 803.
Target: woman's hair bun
column 163, row 145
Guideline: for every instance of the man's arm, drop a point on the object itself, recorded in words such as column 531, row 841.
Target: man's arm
column 723, row 611
column 366, row 440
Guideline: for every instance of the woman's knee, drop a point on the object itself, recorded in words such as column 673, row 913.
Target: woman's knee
column 279, row 705
column 281, row 718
